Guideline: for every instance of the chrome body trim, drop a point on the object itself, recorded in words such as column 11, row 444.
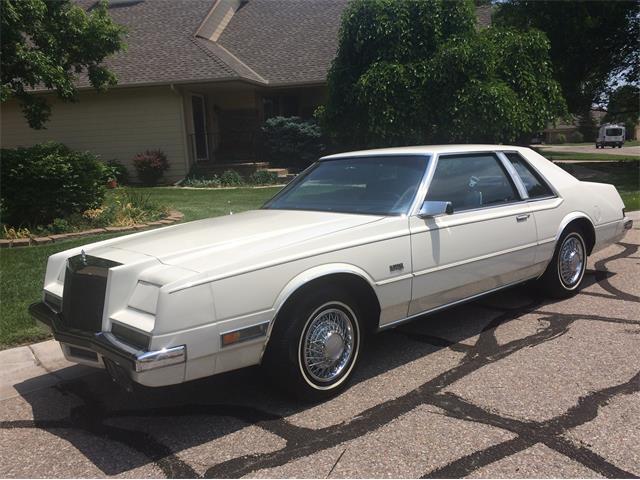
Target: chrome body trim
column 451, row 304
column 540, row 175
column 515, row 178
column 421, row 193
column 474, row 259
column 160, row 358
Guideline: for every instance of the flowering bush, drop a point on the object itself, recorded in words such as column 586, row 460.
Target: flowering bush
column 150, row 166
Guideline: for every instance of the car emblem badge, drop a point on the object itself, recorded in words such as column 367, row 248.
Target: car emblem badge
column 398, row 267
column 83, row 257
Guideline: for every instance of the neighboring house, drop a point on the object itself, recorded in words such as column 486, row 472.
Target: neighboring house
column 567, row 128
column 197, row 80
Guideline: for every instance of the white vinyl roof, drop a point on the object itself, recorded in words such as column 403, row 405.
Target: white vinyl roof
column 423, row 150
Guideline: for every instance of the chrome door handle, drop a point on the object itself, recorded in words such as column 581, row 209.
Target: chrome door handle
column 522, row 218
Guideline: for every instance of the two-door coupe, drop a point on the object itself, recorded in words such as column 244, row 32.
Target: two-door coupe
column 357, row 243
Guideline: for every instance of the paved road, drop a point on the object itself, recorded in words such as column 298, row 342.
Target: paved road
column 592, row 149
column 509, row 386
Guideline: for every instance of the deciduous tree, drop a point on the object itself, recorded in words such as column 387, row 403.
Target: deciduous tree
column 624, row 107
column 592, row 41
column 46, row 44
column 411, row 72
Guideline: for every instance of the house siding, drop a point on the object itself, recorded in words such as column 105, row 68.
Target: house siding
column 113, row 125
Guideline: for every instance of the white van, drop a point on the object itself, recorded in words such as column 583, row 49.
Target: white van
column 610, row 134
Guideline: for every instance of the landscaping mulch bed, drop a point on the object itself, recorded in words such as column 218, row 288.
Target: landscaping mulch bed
column 173, row 217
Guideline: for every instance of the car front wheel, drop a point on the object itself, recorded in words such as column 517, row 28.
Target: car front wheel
column 315, row 344
column 565, row 272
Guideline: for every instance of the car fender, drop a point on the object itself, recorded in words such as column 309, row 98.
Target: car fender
column 307, row 276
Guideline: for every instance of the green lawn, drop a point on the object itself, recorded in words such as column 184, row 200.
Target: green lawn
column 22, row 269
column 552, row 155
column 627, row 143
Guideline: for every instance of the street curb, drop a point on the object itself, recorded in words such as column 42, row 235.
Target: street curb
column 173, row 217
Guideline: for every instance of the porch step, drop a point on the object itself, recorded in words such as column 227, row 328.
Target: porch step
column 280, row 172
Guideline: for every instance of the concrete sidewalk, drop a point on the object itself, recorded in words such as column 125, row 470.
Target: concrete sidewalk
column 33, row 367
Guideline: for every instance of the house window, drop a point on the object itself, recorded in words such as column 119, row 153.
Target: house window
column 281, row 106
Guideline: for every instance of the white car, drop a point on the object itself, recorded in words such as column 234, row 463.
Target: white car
column 358, row 243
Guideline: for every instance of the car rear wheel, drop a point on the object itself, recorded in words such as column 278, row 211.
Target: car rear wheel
column 565, row 272
column 315, row 345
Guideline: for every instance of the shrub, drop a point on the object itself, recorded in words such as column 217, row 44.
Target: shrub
column 47, row 181
column 118, row 171
column 292, row 142
column 576, row 137
column 202, row 182
column 263, row 177
column 560, row 139
column 231, row 178
column 59, row 225
column 150, row 166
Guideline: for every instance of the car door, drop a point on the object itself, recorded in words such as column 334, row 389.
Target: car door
column 544, row 203
column 487, row 242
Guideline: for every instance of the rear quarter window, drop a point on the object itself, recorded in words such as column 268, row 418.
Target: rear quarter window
column 533, row 182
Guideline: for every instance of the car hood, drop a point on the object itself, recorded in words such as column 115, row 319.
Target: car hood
column 216, row 243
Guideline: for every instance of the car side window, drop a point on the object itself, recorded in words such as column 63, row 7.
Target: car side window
column 471, row 181
column 535, row 185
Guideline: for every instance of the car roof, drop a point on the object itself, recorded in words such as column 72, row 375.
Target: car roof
column 423, row 150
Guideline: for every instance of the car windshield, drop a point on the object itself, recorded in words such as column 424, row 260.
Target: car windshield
column 382, row 185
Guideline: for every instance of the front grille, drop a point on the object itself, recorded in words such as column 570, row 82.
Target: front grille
column 85, row 285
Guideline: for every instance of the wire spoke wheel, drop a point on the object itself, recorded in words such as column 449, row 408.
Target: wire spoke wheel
column 571, row 261
column 328, row 344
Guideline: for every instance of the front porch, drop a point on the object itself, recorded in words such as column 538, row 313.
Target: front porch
column 222, row 120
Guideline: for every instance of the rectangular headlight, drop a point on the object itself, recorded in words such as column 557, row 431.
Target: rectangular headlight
column 53, row 302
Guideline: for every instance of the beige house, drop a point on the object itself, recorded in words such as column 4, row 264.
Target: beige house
column 197, row 80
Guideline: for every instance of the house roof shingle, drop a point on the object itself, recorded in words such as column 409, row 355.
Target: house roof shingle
column 161, row 44
column 286, row 41
column 270, row 42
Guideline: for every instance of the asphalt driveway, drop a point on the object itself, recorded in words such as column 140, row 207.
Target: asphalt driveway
column 508, row 386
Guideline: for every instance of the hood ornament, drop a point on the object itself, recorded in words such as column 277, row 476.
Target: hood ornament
column 83, row 257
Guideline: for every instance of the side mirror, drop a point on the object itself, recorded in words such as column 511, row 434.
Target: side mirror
column 433, row 208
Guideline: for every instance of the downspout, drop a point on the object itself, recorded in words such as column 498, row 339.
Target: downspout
column 185, row 138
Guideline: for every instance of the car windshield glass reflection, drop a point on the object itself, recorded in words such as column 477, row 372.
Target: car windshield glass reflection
column 372, row 185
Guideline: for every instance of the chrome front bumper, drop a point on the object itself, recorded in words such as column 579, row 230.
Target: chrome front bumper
column 104, row 344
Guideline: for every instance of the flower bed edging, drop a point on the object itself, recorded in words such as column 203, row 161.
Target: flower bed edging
column 173, row 217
